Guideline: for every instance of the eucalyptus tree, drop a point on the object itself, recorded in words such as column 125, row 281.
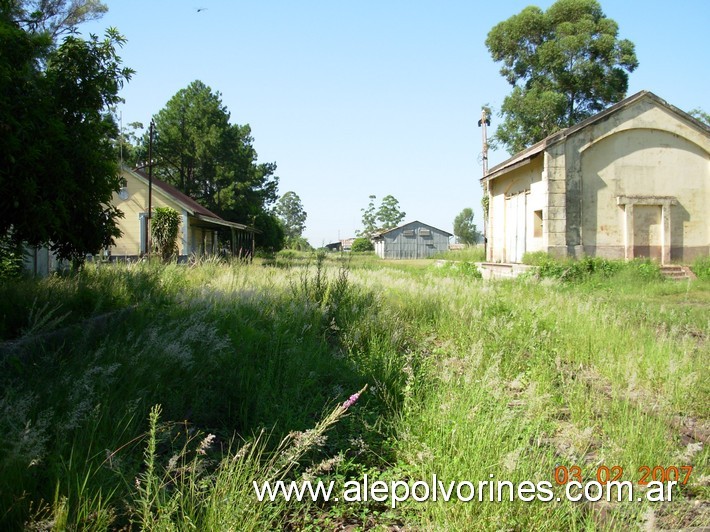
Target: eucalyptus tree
column 565, row 64
column 290, row 211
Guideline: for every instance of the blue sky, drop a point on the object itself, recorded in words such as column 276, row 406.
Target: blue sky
column 372, row 97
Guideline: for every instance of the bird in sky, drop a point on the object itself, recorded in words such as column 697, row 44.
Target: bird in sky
column 200, row 9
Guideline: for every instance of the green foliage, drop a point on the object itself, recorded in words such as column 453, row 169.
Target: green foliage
column 565, row 64
column 57, row 17
column 467, row 254
column 57, row 162
column 290, row 211
column 465, row 229
column 362, row 244
column 592, row 268
column 252, row 367
column 272, row 237
column 536, row 258
column 10, row 258
column 485, row 205
column 200, row 152
column 700, row 115
column 298, row 243
column 389, row 214
column 466, row 270
column 369, row 219
column 701, row 267
column 164, row 226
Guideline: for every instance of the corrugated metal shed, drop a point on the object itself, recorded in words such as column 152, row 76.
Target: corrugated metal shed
column 413, row 240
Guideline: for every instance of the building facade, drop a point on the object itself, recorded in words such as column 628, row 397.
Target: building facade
column 631, row 181
column 200, row 228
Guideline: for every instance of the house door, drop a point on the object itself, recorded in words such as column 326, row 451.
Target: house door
column 515, row 226
column 648, row 231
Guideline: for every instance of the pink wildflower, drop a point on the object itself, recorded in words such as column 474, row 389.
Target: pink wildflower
column 351, row 401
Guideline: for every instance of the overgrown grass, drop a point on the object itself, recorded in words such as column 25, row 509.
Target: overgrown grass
column 467, row 254
column 701, row 267
column 225, row 374
column 591, row 268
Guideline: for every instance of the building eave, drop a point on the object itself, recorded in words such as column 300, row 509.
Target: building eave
column 524, row 157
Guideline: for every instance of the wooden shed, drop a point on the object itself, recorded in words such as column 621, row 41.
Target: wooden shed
column 414, row 240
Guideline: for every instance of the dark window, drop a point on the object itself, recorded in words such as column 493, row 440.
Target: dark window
column 537, row 223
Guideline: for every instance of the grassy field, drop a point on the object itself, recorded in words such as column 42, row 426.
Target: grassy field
column 161, row 416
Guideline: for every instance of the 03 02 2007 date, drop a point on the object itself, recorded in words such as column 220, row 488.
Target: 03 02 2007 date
column 604, row 474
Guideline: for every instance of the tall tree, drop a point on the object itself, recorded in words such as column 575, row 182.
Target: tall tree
column 700, row 115
column 389, row 214
column 386, row 216
column 199, row 151
column 369, row 219
column 565, row 64
column 192, row 134
column 57, row 163
column 290, row 211
column 55, row 17
column 464, row 228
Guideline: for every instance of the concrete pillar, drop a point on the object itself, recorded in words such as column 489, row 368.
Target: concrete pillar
column 666, row 233
column 629, row 231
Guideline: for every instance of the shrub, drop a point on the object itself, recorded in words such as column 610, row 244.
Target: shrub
column 362, row 244
column 579, row 270
column 164, row 229
column 10, row 258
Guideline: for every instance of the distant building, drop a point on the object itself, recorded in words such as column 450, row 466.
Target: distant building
column 341, row 245
column 414, row 240
column 631, row 181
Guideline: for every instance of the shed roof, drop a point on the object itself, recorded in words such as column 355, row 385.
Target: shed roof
column 524, row 157
column 384, row 232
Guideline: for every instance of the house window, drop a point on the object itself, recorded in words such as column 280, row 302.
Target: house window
column 425, row 232
column 408, row 232
column 123, row 191
column 537, row 223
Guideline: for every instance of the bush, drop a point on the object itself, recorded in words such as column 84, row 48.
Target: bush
column 362, row 244
column 10, row 258
column 580, row 270
column 701, row 267
column 164, row 229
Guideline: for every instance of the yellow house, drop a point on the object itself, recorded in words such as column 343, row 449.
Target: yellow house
column 199, row 227
column 631, row 181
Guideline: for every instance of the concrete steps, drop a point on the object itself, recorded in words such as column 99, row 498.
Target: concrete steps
column 677, row 272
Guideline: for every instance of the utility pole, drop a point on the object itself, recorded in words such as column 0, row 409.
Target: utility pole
column 483, row 123
column 150, row 185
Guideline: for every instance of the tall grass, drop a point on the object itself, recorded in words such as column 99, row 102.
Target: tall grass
column 251, row 365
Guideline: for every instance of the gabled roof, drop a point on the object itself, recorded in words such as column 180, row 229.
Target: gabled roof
column 190, row 205
column 525, row 156
column 384, row 232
